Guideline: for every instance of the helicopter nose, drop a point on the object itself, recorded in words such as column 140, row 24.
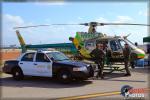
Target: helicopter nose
column 141, row 54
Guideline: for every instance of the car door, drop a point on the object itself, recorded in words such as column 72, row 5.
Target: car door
column 26, row 63
column 43, row 65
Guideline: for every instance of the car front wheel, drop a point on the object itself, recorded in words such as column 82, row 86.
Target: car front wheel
column 64, row 76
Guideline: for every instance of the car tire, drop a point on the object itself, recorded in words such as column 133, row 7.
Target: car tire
column 64, row 76
column 17, row 74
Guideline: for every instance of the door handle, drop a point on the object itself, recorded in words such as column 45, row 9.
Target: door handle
column 21, row 63
column 35, row 64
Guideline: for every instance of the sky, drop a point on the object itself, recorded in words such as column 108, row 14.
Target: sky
column 36, row 13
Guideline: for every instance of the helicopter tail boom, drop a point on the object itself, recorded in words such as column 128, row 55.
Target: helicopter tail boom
column 22, row 42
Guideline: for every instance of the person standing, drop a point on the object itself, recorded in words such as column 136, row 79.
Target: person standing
column 126, row 54
column 98, row 56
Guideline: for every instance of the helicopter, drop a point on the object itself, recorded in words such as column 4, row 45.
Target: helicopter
column 84, row 42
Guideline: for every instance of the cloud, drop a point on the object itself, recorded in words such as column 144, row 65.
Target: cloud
column 8, row 22
column 58, row 34
column 143, row 13
column 101, row 20
column 123, row 19
column 104, row 29
column 8, row 33
column 140, row 12
column 121, row 30
column 16, row 20
column 13, row 21
column 80, row 18
column 119, row 19
column 52, row 34
column 113, row 29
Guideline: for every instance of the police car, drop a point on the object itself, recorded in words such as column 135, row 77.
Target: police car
column 47, row 64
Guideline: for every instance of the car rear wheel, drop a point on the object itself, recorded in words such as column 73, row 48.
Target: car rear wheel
column 64, row 76
column 17, row 74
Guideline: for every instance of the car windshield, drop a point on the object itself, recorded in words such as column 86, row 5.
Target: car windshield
column 58, row 56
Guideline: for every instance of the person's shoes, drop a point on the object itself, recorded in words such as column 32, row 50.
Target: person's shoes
column 102, row 77
column 132, row 67
column 127, row 75
column 97, row 76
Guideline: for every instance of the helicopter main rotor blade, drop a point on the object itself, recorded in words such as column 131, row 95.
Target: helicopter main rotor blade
column 31, row 26
column 102, row 24
column 65, row 24
column 85, row 24
column 41, row 26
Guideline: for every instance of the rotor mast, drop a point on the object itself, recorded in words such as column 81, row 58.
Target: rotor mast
column 93, row 26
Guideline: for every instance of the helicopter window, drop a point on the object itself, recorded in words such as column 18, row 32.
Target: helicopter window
column 90, row 45
column 114, row 45
column 122, row 43
column 105, row 44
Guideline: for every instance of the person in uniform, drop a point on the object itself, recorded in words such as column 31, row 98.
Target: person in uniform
column 98, row 56
column 126, row 54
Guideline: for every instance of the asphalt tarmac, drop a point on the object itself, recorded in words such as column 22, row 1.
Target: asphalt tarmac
column 92, row 89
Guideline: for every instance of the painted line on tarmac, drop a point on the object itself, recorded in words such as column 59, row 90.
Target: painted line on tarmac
column 95, row 95
column 91, row 95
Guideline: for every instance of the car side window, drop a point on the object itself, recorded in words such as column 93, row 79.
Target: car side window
column 28, row 57
column 41, row 57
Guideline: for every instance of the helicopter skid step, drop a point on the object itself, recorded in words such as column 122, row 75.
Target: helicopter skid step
column 108, row 68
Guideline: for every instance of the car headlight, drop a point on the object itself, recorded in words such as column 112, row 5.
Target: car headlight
column 80, row 69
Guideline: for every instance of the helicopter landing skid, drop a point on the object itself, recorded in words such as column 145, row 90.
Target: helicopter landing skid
column 108, row 68
column 111, row 70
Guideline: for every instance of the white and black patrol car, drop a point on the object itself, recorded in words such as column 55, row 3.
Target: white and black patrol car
column 47, row 64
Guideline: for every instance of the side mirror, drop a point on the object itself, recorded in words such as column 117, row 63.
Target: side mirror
column 52, row 58
column 47, row 60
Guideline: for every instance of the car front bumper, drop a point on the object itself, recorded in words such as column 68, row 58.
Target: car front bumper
column 83, row 74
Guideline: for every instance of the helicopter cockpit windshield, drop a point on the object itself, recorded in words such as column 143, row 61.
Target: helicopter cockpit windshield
column 115, row 45
column 132, row 46
column 123, row 42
